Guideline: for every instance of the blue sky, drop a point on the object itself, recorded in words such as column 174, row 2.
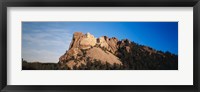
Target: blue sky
column 47, row 41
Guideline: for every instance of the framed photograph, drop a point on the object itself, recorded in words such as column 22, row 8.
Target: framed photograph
column 75, row 45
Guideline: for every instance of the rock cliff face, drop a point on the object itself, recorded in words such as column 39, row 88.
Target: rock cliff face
column 86, row 46
column 88, row 52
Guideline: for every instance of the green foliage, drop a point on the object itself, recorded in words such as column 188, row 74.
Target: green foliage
column 97, row 65
column 38, row 66
column 141, row 59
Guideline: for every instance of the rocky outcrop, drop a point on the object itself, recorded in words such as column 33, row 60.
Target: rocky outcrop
column 112, row 42
column 87, row 41
column 77, row 36
column 109, row 43
column 102, row 42
column 88, row 52
column 84, row 46
column 82, row 41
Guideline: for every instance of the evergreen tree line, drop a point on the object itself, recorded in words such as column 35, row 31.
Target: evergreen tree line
column 139, row 59
column 95, row 65
column 38, row 66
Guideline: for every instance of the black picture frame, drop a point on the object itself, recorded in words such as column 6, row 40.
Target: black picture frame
column 98, row 3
